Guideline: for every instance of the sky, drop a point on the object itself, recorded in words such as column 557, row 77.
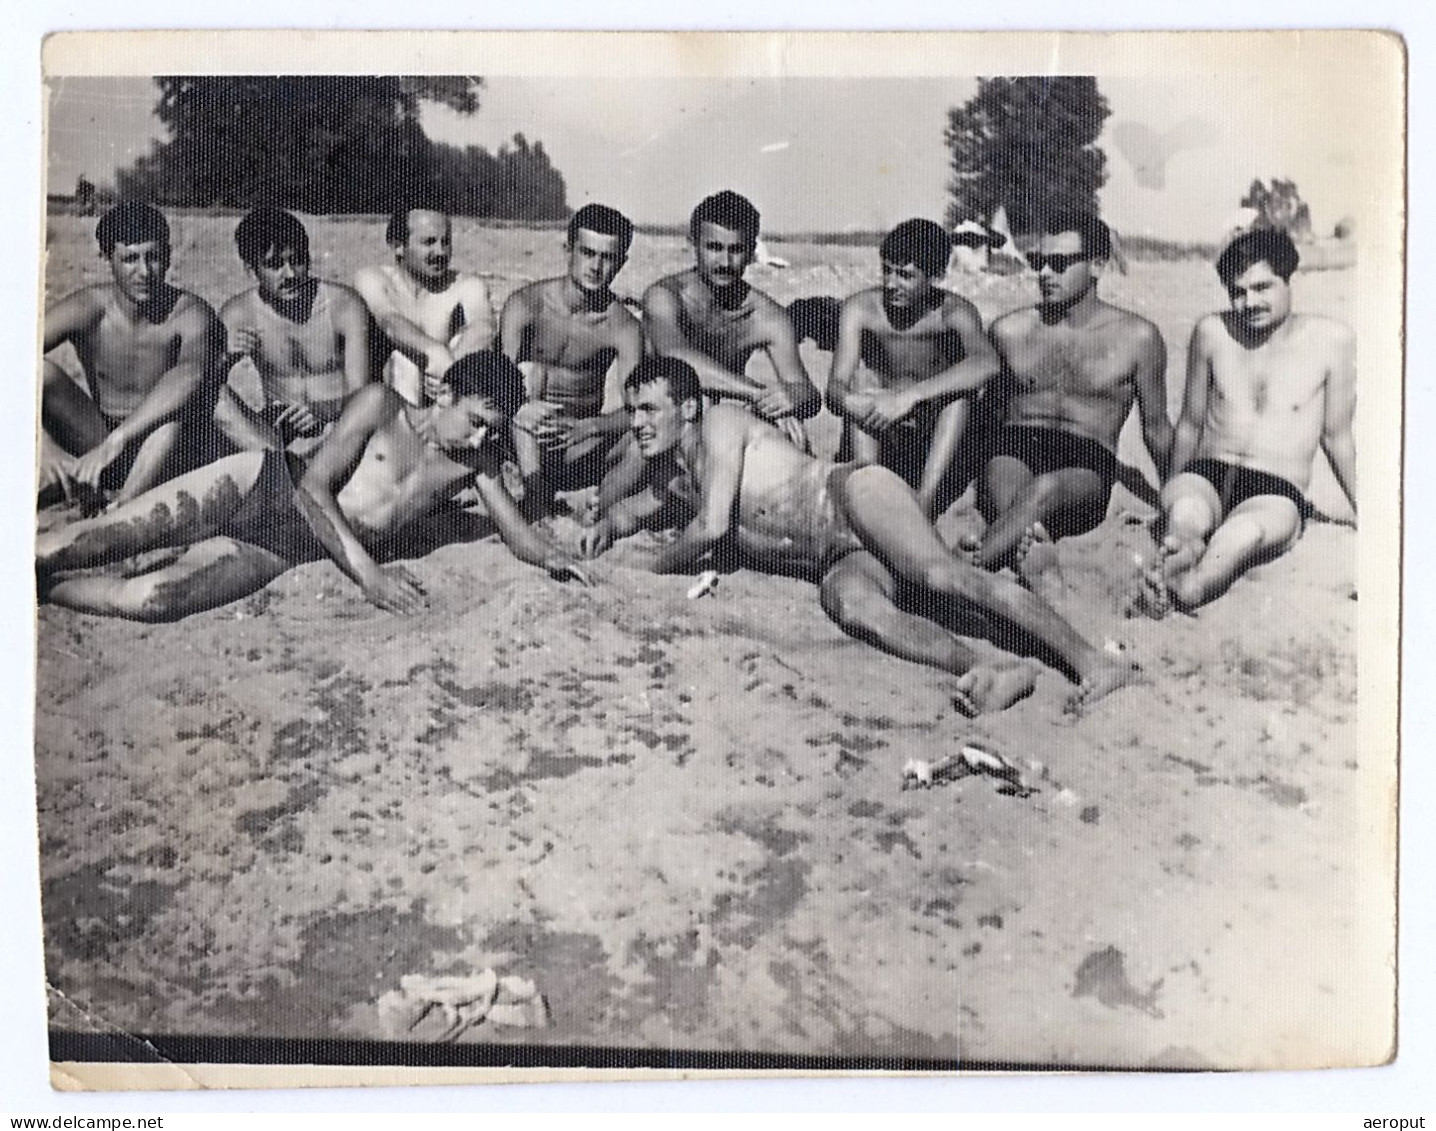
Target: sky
column 817, row 154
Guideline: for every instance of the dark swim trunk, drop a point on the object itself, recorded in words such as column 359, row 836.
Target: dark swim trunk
column 1045, row 450
column 270, row 517
column 1235, row 485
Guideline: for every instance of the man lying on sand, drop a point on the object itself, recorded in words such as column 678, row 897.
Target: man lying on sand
column 227, row 530
column 150, row 355
column 307, row 338
column 859, row 530
column 909, row 359
column 429, row 313
column 1265, row 388
column 572, row 338
column 1076, row 364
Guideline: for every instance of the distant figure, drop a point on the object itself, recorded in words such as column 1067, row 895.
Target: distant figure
column 1074, row 364
column 307, row 338
column 858, row 530
column 150, row 355
column 910, row 358
column 429, row 314
column 710, row 318
column 227, row 530
column 576, row 344
column 1265, row 388
column 973, row 243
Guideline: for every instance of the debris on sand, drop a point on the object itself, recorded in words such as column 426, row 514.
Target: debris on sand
column 704, row 586
column 442, row 1009
column 918, row 774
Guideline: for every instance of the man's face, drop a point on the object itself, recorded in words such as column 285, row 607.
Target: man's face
column 657, row 422
column 282, row 274
column 467, row 423
column 1064, row 272
column 426, row 253
column 594, row 260
column 904, row 285
column 139, row 269
column 1260, row 297
column 723, row 255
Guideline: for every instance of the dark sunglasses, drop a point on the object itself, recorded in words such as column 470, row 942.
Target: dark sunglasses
column 1059, row 263
column 970, row 239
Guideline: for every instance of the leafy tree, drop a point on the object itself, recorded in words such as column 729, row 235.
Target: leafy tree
column 1027, row 144
column 1279, row 206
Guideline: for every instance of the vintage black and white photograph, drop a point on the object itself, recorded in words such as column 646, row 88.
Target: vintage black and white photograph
column 662, row 552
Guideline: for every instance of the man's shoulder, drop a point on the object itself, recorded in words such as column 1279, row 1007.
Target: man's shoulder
column 957, row 306
column 240, row 304
column 1016, row 322
column 1321, row 329
column 1135, row 327
column 864, row 304
column 531, row 295
column 190, row 309
column 374, row 401
column 375, row 274
column 675, row 284
column 466, row 285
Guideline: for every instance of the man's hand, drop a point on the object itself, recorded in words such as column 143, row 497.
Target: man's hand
column 887, row 409
column 542, row 421
column 244, row 340
column 578, row 432
column 773, row 402
column 596, row 539
column 563, row 568
column 437, row 360
column 57, row 469
column 793, row 428
column 90, row 466
column 395, row 590
column 296, row 420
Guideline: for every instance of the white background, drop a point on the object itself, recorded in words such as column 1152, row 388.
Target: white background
column 1403, row 1089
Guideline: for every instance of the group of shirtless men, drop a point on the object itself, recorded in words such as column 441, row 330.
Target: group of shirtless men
column 389, row 401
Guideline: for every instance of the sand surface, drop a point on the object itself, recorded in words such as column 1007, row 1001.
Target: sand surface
column 683, row 820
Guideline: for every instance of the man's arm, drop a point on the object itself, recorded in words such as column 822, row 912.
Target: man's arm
column 1336, row 430
column 72, row 318
column 719, row 475
column 628, row 346
column 195, row 376
column 428, row 353
column 662, row 322
column 515, row 324
column 625, row 517
column 1188, row 435
column 847, row 355
column 351, row 319
column 1151, row 381
column 317, row 496
column 800, row 396
column 523, row 541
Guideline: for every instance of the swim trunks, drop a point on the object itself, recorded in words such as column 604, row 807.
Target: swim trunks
column 1045, row 450
column 1236, row 484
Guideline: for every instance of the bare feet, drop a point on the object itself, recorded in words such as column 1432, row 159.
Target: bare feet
column 993, row 687
column 1108, row 676
column 1175, row 558
column 1035, row 561
column 967, row 547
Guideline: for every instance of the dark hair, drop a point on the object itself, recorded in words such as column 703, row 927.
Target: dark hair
column 677, row 374
column 396, row 232
column 267, row 230
column 728, row 210
column 1096, row 236
column 131, row 222
column 605, row 221
column 488, row 374
column 1272, row 246
column 927, row 246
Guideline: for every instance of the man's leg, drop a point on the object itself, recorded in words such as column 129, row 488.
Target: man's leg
column 947, row 433
column 206, row 575
column 179, row 512
column 68, row 414
column 1191, row 509
column 886, row 516
column 1258, row 528
column 1035, row 503
column 166, row 452
column 857, row 594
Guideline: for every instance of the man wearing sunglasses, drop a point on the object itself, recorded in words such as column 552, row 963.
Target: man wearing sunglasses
column 1073, row 365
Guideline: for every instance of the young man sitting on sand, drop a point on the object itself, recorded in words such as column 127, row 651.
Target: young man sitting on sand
column 858, row 530
column 227, row 530
column 151, row 359
column 428, row 313
column 910, row 357
column 307, row 338
column 1265, row 389
column 1075, row 364
column 575, row 341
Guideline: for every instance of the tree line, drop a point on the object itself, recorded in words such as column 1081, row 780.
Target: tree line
column 334, row 144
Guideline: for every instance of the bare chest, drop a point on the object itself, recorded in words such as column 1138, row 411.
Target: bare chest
column 131, row 356
column 1070, row 362
column 729, row 336
column 911, row 355
column 1270, row 382
column 578, row 342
